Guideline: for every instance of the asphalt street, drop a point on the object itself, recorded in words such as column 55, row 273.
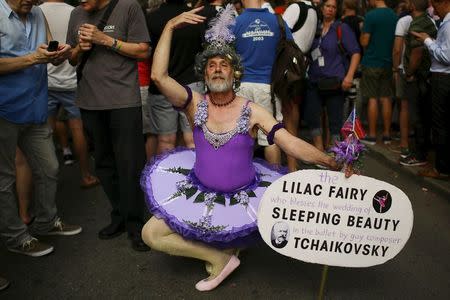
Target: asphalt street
column 84, row 267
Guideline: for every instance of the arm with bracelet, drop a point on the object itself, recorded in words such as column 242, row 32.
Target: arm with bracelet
column 291, row 145
column 91, row 34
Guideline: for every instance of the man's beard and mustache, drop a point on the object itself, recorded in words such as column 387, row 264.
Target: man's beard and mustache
column 218, row 86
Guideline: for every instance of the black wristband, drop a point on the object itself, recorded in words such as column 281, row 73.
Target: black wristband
column 271, row 134
column 188, row 100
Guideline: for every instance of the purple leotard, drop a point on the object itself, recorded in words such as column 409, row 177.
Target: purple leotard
column 210, row 194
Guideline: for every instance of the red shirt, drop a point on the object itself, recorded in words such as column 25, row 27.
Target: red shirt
column 144, row 72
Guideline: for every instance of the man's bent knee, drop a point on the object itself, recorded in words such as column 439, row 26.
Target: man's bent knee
column 151, row 232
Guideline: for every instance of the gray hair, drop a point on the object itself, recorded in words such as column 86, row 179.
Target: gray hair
column 222, row 50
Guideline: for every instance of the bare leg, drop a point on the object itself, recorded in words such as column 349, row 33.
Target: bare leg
column 318, row 142
column 188, row 139
column 150, row 146
column 272, row 154
column 157, row 235
column 23, row 185
column 372, row 116
column 387, row 115
column 81, row 151
column 60, row 131
column 166, row 142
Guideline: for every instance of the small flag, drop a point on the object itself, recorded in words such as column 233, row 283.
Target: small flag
column 353, row 125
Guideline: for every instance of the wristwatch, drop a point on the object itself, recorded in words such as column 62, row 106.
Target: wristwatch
column 114, row 45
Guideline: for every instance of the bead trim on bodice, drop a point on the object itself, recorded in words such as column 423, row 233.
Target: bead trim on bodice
column 219, row 139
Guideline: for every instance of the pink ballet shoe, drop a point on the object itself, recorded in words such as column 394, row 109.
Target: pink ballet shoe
column 207, row 285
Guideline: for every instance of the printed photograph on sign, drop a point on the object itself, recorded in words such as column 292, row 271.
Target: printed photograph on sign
column 319, row 216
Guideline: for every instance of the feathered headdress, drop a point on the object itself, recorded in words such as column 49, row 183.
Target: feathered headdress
column 219, row 28
column 219, row 42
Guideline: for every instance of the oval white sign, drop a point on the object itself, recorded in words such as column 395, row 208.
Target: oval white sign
column 319, row 216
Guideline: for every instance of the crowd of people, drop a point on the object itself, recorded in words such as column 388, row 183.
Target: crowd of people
column 133, row 81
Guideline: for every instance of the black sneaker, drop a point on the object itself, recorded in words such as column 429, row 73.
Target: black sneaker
column 69, row 159
column 4, row 283
column 412, row 161
column 32, row 247
column 60, row 228
column 404, row 152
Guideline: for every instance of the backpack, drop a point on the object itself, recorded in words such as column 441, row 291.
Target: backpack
column 289, row 69
column 304, row 8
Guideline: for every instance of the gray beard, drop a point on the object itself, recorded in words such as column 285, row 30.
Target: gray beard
column 219, row 87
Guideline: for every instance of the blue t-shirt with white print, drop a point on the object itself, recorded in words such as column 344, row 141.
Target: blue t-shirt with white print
column 257, row 34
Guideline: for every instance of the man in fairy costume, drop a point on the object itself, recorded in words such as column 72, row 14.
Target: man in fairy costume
column 204, row 201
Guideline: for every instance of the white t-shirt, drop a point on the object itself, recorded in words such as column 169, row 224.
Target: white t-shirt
column 401, row 30
column 305, row 35
column 62, row 77
column 268, row 6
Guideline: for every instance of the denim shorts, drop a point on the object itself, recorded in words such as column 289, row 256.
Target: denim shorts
column 64, row 99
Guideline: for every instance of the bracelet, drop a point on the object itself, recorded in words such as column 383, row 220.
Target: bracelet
column 119, row 45
column 271, row 134
column 188, row 100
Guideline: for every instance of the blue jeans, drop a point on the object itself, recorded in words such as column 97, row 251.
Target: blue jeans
column 35, row 141
column 313, row 103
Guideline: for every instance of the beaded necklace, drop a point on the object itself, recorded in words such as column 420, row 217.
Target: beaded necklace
column 221, row 104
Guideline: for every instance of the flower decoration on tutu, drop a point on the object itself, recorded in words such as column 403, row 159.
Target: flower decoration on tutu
column 349, row 152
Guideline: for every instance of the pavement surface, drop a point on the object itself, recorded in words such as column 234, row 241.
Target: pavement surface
column 388, row 154
column 84, row 267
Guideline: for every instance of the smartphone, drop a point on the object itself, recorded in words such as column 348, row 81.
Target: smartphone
column 52, row 46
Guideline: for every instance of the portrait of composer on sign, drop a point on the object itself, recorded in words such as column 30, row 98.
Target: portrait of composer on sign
column 279, row 234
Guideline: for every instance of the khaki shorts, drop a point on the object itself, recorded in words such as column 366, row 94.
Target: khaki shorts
column 376, row 82
column 400, row 87
column 260, row 94
column 163, row 118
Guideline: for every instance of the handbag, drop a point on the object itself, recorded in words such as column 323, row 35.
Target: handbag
column 101, row 25
column 329, row 84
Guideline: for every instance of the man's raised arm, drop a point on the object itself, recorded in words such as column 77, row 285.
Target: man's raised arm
column 176, row 94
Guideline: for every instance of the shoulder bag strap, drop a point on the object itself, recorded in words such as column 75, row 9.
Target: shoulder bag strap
column 101, row 25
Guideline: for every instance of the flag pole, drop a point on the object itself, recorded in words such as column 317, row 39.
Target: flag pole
column 322, row 282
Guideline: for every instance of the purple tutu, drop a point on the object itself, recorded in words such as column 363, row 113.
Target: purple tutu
column 222, row 219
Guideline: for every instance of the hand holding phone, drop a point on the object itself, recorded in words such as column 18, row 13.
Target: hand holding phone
column 52, row 46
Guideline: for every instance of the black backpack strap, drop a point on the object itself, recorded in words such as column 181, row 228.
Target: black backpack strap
column 101, row 25
column 282, row 38
column 304, row 8
column 281, row 26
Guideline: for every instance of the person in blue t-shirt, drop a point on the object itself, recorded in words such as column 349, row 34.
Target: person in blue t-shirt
column 257, row 34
